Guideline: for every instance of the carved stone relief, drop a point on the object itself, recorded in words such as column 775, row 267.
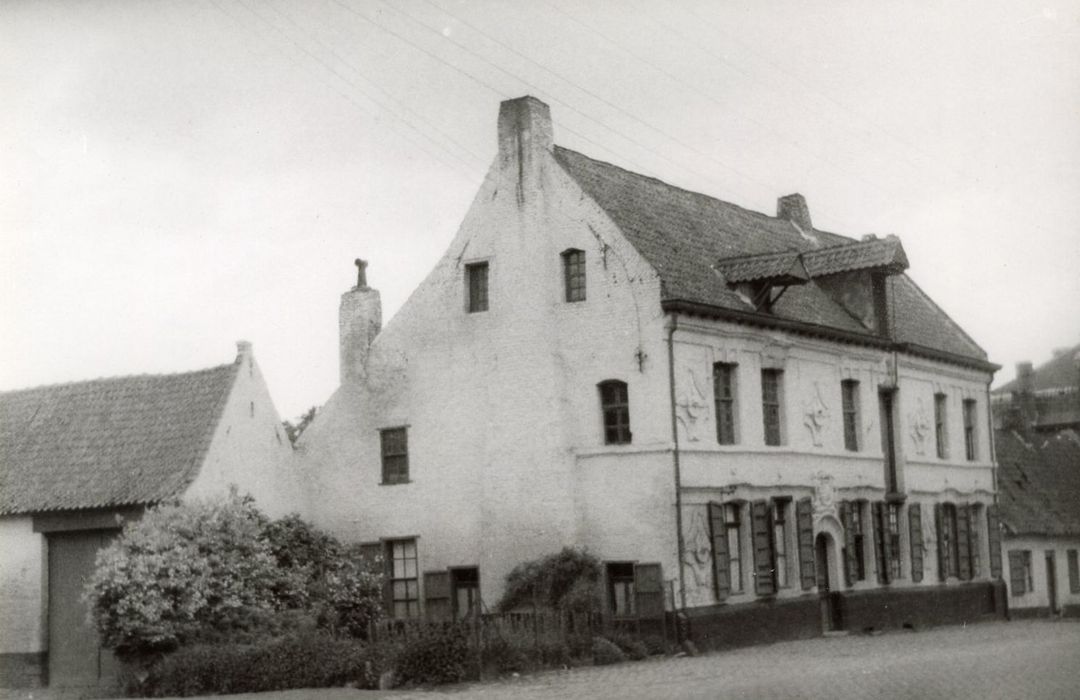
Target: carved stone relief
column 692, row 406
column 824, row 499
column 920, row 427
column 816, row 416
column 697, row 558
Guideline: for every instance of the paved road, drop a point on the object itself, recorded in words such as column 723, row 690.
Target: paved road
column 1036, row 660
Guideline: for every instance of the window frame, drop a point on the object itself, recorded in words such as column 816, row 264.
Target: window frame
column 849, row 402
column 615, row 414
column 970, row 429
column 949, row 539
column 858, row 513
column 477, row 286
column 1029, row 574
column 779, row 531
column 734, row 529
column 624, row 580
column 725, row 402
column 892, row 531
column 941, row 424
column 574, row 275
column 772, row 406
column 411, row 602
column 392, row 475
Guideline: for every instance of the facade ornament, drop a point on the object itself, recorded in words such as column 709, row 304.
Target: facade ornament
column 697, row 559
column 920, row 427
column 824, row 500
column 692, row 407
column 816, row 416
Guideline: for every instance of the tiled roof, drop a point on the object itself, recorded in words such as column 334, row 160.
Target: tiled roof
column 107, row 442
column 1039, row 482
column 857, row 255
column 784, row 268
column 683, row 234
column 1062, row 371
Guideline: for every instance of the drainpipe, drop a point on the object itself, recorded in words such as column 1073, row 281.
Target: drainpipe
column 993, row 449
column 675, row 457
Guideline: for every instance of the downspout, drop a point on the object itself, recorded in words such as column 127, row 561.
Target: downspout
column 990, row 434
column 675, row 457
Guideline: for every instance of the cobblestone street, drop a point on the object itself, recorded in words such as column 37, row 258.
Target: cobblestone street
column 1015, row 660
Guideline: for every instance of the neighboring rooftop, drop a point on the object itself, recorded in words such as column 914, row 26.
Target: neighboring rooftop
column 1061, row 371
column 1039, row 482
column 685, row 235
column 107, row 442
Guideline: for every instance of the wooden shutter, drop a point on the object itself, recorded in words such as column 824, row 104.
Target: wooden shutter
column 993, row 538
column 851, row 562
column 915, row 532
column 764, row 583
column 649, row 590
column 1017, row 580
column 881, row 541
column 942, row 555
column 963, row 529
column 804, row 517
column 721, row 556
column 1074, row 571
column 437, row 595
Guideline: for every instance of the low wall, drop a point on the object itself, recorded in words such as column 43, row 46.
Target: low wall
column 770, row 620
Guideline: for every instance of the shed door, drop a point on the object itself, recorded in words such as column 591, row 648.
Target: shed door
column 75, row 657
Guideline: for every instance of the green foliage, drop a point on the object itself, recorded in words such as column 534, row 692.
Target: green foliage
column 440, row 657
column 299, row 661
column 568, row 580
column 605, row 652
column 293, row 430
column 353, row 598
column 180, row 568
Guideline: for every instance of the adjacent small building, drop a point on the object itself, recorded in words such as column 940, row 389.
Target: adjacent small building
column 78, row 460
column 1043, row 399
column 765, row 428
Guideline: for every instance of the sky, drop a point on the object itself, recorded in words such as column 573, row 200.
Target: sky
column 176, row 175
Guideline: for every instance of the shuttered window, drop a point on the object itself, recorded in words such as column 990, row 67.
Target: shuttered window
column 975, row 521
column 849, row 390
column 724, row 397
column 963, row 543
column 849, row 542
column 781, row 560
column 949, row 554
column 574, row 274
column 915, row 533
column 770, row 402
column 1074, row 572
column 649, row 590
column 1020, row 575
column 720, row 555
column 804, row 516
column 615, row 406
column 881, row 541
column 437, row 595
column 395, row 455
column 764, row 584
column 893, row 552
column 993, row 539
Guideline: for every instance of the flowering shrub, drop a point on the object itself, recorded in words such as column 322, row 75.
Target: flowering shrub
column 568, row 580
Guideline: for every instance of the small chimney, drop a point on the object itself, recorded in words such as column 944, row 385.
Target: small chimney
column 525, row 137
column 1024, row 411
column 359, row 321
column 793, row 208
column 243, row 350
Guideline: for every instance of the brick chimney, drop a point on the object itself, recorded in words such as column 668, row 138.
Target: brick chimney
column 1024, row 396
column 359, row 321
column 525, row 137
column 793, row 208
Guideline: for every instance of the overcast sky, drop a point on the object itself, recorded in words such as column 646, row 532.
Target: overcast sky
column 175, row 176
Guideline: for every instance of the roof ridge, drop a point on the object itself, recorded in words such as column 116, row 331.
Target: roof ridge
column 115, row 378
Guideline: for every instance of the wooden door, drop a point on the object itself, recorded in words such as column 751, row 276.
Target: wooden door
column 75, row 657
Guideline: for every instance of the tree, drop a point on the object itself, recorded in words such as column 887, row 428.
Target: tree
column 293, row 430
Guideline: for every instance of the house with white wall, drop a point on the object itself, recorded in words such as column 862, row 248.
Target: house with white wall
column 80, row 459
column 766, row 428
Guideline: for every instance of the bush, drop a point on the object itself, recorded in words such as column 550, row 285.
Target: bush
column 353, row 598
column 605, row 652
column 439, row 657
column 502, row 656
column 568, row 580
column 299, row 661
column 657, row 645
column 633, row 647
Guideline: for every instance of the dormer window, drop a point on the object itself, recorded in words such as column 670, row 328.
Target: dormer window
column 574, row 274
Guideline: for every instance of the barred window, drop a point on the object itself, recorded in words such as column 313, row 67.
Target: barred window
column 615, row 405
column 395, row 455
column 849, row 389
column 574, row 274
column 724, row 397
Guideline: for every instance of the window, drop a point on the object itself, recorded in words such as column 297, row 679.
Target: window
column 974, row 517
column 404, row 588
column 940, row 426
column 476, row 276
column 466, row 587
column 969, row 429
column 1074, row 572
column 620, row 577
column 1028, row 577
column 734, row 540
column 616, row 408
column 574, row 274
column 724, row 396
column 395, row 456
column 770, row 401
column 886, row 402
column 858, row 513
column 780, row 538
column 951, row 555
column 849, row 389
column 894, row 541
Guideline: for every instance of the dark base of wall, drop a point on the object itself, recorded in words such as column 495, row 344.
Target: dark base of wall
column 726, row 626
column 1031, row 613
column 24, row 670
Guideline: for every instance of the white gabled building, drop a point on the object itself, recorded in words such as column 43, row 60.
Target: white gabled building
column 767, row 427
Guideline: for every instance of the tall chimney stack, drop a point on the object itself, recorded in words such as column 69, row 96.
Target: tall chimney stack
column 525, row 137
column 359, row 321
column 793, row 208
column 1024, row 396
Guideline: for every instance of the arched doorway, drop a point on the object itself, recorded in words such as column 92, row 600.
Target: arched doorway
column 825, row 557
